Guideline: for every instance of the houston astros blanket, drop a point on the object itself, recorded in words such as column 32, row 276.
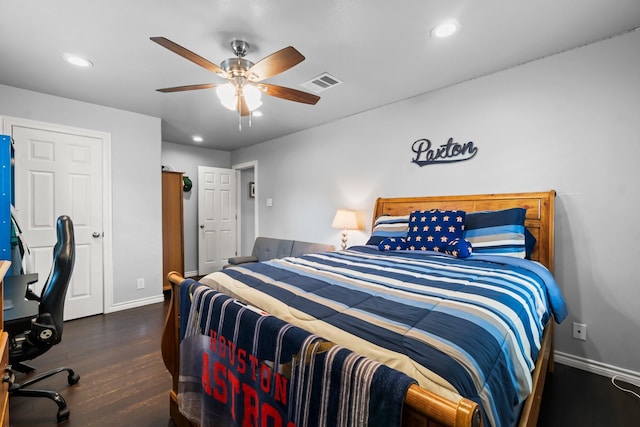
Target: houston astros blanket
column 242, row 367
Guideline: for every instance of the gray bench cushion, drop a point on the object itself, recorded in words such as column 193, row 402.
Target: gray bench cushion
column 267, row 248
column 301, row 248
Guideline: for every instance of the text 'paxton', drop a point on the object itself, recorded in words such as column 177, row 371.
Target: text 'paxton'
column 451, row 152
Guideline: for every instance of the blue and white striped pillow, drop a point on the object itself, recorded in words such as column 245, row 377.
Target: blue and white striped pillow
column 389, row 226
column 499, row 232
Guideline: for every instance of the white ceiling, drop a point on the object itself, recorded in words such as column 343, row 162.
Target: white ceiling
column 382, row 51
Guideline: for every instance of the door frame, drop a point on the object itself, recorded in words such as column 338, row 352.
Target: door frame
column 107, row 239
column 240, row 167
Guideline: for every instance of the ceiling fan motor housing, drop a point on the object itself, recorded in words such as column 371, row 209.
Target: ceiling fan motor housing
column 236, row 67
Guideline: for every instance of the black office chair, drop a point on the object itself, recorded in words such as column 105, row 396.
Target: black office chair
column 46, row 329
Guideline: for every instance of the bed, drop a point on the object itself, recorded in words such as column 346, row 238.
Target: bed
column 426, row 406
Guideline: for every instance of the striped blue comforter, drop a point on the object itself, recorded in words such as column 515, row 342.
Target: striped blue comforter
column 473, row 326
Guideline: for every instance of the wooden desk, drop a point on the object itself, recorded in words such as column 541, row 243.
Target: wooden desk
column 4, row 352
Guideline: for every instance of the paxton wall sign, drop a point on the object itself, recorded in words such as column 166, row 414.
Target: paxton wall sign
column 428, row 154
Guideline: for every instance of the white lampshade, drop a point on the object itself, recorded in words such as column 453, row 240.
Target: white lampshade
column 252, row 96
column 345, row 220
column 228, row 96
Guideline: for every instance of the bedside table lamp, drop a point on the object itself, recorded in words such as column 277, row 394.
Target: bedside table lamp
column 345, row 220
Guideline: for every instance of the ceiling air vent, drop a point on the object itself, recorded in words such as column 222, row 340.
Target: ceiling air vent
column 321, row 83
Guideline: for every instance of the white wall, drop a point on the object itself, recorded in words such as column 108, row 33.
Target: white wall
column 569, row 122
column 186, row 159
column 135, row 172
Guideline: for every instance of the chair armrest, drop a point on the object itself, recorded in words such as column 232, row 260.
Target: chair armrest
column 30, row 295
column 242, row 259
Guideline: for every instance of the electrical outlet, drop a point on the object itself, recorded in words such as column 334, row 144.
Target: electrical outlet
column 580, row 331
column 141, row 283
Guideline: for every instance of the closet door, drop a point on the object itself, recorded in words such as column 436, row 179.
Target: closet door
column 217, row 218
column 172, row 225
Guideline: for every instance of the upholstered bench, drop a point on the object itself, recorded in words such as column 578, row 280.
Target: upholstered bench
column 267, row 248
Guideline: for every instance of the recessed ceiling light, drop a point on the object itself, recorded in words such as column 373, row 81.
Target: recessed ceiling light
column 77, row 60
column 256, row 113
column 197, row 138
column 445, row 29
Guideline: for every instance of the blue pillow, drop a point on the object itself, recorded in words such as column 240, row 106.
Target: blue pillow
column 529, row 243
column 433, row 230
column 500, row 232
column 459, row 248
column 393, row 244
column 388, row 226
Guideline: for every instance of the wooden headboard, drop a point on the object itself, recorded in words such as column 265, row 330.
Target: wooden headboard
column 539, row 219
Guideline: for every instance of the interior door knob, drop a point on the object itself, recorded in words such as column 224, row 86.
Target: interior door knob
column 96, row 234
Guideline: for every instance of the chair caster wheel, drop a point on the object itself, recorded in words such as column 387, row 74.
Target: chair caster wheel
column 63, row 414
column 73, row 379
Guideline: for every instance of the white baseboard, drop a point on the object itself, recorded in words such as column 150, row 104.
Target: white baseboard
column 135, row 303
column 597, row 367
column 188, row 274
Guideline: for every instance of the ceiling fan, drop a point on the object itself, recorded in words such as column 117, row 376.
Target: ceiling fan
column 244, row 88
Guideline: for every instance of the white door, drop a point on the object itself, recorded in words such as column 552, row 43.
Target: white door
column 60, row 173
column 216, row 218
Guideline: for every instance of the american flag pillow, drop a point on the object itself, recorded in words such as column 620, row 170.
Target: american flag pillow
column 432, row 230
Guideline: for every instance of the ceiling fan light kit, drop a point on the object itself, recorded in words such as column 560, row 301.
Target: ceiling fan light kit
column 244, row 89
column 230, row 93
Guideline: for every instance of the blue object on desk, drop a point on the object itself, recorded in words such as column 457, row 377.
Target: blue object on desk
column 5, row 197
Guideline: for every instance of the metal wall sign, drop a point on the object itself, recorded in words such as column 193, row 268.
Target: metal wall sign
column 451, row 152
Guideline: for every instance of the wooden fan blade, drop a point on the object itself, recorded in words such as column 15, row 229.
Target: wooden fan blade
column 274, row 64
column 243, row 108
column 188, row 87
column 187, row 54
column 289, row 93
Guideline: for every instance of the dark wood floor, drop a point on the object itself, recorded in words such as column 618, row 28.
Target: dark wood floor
column 124, row 383
column 573, row 397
